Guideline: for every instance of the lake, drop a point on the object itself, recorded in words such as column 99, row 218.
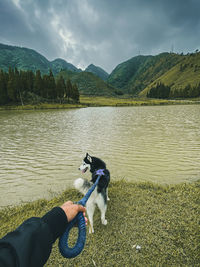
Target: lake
column 41, row 150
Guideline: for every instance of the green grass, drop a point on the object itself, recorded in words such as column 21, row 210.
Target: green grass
column 100, row 101
column 114, row 101
column 163, row 220
column 41, row 106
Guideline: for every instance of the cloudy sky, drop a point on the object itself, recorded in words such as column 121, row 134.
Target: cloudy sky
column 102, row 32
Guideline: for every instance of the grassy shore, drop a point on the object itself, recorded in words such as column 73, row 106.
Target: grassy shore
column 41, row 106
column 113, row 101
column 163, row 220
column 98, row 101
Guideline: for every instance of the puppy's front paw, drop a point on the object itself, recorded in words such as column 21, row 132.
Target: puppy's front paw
column 91, row 230
column 105, row 222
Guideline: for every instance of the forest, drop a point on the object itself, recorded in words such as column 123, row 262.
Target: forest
column 29, row 87
column 163, row 91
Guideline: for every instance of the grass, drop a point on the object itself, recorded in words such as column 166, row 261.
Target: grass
column 41, row 106
column 163, row 220
column 99, row 101
column 113, row 101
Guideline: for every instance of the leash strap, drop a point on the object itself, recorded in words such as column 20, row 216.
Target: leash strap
column 79, row 220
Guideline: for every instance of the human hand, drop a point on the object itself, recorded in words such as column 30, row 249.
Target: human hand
column 71, row 210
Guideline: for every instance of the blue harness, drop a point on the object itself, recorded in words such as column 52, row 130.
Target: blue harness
column 65, row 250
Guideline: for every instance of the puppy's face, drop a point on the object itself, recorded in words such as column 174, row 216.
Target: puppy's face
column 84, row 167
column 86, row 163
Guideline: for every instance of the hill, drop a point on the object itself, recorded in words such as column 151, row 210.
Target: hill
column 185, row 73
column 88, row 83
column 135, row 74
column 60, row 64
column 124, row 72
column 28, row 59
column 97, row 71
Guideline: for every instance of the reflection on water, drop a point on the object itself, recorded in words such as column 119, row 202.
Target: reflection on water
column 40, row 151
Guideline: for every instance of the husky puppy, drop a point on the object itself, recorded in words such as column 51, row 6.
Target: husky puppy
column 99, row 196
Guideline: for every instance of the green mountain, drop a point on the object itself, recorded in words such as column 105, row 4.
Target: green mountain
column 183, row 74
column 60, row 64
column 135, row 74
column 178, row 74
column 124, row 72
column 88, row 83
column 97, row 71
column 28, row 59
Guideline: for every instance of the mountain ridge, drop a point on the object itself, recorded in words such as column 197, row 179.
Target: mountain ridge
column 88, row 83
column 28, row 59
column 135, row 74
column 183, row 74
column 97, row 71
column 133, row 77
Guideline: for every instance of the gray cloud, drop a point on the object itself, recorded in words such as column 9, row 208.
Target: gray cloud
column 102, row 32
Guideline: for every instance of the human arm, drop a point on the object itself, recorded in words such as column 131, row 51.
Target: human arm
column 31, row 243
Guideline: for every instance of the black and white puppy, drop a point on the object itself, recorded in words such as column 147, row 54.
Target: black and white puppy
column 99, row 196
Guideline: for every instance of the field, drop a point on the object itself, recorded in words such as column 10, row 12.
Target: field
column 99, row 101
column 113, row 101
column 162, row 220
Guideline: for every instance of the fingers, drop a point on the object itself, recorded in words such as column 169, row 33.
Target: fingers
column 69, row 202
column 71, row 209
column 81, row 208
column 86, row 219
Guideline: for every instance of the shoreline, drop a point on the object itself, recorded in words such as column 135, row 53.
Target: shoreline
column 99, row 101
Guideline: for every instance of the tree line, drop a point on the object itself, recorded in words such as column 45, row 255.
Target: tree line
column 164, row 91
column 26, row 86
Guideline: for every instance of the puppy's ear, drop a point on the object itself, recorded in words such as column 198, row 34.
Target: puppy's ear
column 89, row 158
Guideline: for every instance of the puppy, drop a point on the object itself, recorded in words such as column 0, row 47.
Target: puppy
column 99, row 196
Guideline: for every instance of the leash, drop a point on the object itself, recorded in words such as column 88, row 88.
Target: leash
column 65, row 250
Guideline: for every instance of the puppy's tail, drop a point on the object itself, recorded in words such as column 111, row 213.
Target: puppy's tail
column 82, row 185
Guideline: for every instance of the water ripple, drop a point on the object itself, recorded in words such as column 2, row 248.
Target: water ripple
column 40, row 151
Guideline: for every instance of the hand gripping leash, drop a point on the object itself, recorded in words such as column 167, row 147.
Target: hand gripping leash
column 65, row 250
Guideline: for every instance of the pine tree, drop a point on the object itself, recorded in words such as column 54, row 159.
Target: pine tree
column 12, row 94
column 17, row 86
column 61, row 88
column 51, row 86
column 3, row 88
column 186, row 91
column 38, row 84
column 75, row 93
column 45, row 91
column 160, row 91
column 30, row 80
column 68, row 89
column 23, row 81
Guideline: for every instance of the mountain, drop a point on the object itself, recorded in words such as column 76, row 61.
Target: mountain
column 143, row 76
column 60, row 64
column 185, row 73
column 97, row 71
column 29, row 59
column 88, row 83
column 124, row 72
column 135, row 74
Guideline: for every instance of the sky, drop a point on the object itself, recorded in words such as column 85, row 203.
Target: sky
column 102, row 32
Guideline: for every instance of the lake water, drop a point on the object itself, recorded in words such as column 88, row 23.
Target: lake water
column 40, row 151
